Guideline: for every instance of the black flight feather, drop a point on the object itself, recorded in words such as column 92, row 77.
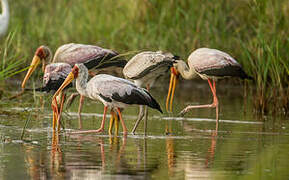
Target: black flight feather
column 233, row 71
column 137, row 97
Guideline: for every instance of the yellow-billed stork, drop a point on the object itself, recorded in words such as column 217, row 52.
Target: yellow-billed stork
column 144, row 69
column 209, row 64
column 115, row 93
column 91, row 56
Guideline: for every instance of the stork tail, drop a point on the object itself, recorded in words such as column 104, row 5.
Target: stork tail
column 154, row 104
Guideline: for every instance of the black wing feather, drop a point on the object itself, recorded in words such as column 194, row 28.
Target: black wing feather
column 234, row 71
column 137, row 97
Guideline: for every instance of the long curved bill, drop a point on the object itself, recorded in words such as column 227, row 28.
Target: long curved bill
column 33, row 65
column 55, row 112
column 67, row 81
column 54, row 105
column 172, row 87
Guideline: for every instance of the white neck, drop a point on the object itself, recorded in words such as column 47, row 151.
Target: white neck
column 5, row 8
column 185, row 71
column 81, row 83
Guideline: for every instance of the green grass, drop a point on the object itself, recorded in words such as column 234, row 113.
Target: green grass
column 254, row 32
column 10, row 62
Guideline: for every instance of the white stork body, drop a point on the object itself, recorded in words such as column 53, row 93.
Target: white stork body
column 113, row 92
column 4, row 18
column 211, row 65
column 144, row 69
column 91, row 56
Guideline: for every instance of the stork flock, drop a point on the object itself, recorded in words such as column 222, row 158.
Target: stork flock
column 76, row 61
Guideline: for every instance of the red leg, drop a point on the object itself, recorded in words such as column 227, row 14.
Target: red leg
column 101, row 126
column 216, row 103
column 60, row 110
column 210, row 84
column 213, row 105
column 55, row 112
column 81, row 100
column 122, row 122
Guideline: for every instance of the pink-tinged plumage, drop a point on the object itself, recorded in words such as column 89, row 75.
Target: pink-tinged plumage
column 54, row 75
column 91, row 56
column 80, row 53
column 56, row 71
column 214, row 64
column 204, row 59
column 209, row 64
column 69, row 54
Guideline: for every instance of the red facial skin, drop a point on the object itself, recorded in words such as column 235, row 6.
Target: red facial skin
column 174, row 71
column 75, row 71
column 40, row 53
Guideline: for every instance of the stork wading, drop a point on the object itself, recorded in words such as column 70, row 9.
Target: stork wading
column 209, row 64
column 144, row 69
column 66, row 56
column 115, row 93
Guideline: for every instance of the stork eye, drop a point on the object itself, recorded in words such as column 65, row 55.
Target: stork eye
column 75, row 71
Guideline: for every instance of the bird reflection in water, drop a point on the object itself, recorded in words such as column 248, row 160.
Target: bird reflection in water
column 211, row 150
column 56, row 158
column 170, row 149
column 117, row 150
column 35, row 162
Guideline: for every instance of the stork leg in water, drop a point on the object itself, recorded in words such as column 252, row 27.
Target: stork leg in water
column 143, row 113
column 140, row 117
column 81, row 101
column 215, row 103
column 103, row 122
column 113, row 120
column 57, row 111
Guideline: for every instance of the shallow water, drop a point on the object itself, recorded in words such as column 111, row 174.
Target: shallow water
column 245, row 147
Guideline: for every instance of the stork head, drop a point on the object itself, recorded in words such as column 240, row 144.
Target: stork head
column 43, row 54
column 71, row 76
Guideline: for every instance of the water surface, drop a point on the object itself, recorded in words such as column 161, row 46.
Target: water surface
column 246, row 147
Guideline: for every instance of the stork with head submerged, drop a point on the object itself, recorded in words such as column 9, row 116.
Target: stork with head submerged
column 115, row 93
column 144, row 69
column 69, row 54
column 210, row 65
column 4, row 18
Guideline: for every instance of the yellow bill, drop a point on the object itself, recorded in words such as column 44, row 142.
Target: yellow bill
column 33, row 65
column 67, row 81
column 171, row 91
